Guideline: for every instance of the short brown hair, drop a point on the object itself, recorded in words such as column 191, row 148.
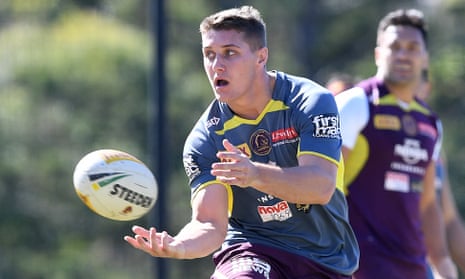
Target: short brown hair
column 404, row 17
column 245, row 19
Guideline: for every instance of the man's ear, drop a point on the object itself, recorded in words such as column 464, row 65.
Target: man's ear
column 263, row 56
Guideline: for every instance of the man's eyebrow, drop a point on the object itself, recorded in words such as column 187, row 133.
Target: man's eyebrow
column 224, row 46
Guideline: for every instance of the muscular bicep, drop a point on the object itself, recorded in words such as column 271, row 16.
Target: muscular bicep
column 322, row 173
column 326, row 166
column 210, row 205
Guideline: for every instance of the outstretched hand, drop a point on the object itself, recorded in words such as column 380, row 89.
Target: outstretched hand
column 154, row 243
column 235, row 167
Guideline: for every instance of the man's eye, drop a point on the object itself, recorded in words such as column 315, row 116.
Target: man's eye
column 230, row 52
column 210, row 55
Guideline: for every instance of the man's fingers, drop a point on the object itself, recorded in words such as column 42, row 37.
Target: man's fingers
column 140, row 231
column 132, row 241
column 229, row 146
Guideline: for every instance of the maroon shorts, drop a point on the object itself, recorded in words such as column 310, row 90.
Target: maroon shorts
column 263, row 262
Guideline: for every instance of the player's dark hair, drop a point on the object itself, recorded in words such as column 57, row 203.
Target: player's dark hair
column 404, row 17
column 245, row 19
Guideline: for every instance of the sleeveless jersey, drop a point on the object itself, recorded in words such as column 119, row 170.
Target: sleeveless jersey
column 301, row 118
column 392, row 151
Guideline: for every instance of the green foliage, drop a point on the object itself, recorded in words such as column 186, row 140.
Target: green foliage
column 70, row 87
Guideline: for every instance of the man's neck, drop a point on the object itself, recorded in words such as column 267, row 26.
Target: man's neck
column 403, row 92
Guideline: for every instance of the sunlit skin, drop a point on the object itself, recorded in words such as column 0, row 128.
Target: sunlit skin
column 401, row 56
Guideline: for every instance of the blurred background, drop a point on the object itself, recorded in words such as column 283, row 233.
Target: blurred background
column 79, row 75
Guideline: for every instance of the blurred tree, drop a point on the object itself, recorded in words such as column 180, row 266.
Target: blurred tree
column 67, row 88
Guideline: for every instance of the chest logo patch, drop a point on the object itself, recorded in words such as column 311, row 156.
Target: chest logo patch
column 409, row 125
column 396, row 181
column 260, row 142
column 386, row 122
column 277, row 212
column 411, row 151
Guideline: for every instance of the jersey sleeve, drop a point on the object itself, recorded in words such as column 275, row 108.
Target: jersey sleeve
column 320, row 129
column 198, row 155
column 353, row 110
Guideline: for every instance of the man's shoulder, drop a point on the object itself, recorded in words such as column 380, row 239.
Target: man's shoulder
column 299, row 84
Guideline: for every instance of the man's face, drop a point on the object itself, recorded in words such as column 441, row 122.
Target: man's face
column 230, row 64
column 401, row 55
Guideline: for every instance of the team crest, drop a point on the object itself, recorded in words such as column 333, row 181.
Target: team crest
column 260, row 142
column 409, row 125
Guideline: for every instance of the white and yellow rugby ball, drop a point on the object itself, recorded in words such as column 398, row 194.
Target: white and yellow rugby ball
column 115, row 184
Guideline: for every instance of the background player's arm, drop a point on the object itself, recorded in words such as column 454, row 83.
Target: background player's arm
column 433, row 227
column 200, row 237
column 455, row 227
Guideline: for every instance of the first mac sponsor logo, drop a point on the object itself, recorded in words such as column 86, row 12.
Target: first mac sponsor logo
column 326, row 126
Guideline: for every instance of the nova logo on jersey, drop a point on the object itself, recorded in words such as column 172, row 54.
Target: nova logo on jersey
column 277, row 212
column 326, row 126
column 411, row 151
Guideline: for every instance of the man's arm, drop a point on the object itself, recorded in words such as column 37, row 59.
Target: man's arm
column 312, row 182
column 433, row 227
column 455, row 227
column 200, row 237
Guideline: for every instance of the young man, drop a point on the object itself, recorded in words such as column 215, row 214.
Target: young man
column 263, row 162
column 390, row 145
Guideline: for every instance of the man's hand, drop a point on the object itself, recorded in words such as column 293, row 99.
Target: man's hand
column 156, row 244
column 235, row 167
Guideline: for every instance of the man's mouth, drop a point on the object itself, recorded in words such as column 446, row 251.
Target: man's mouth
column 221, row 82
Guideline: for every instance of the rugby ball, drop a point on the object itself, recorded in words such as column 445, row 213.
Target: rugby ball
column 115, row 184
